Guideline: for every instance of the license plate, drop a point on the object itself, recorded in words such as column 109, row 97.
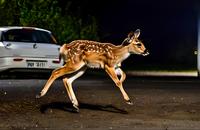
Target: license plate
column 36, row 64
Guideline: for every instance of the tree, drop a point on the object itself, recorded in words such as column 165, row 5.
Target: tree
column 9, row 13
column 49, row 15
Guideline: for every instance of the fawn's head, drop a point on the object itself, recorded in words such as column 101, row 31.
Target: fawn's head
column 135, row 46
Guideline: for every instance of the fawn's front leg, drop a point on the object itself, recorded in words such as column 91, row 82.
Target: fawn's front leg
column 120, row 73
column 111, row 72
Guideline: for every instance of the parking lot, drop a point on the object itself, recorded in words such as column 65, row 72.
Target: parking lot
column 159, row 103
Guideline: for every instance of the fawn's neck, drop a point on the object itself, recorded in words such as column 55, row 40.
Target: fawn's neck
column 121, row 53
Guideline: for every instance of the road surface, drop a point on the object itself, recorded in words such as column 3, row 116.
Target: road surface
column 159, row 104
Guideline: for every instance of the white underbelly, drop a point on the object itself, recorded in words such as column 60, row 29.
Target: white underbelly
column 94, row 65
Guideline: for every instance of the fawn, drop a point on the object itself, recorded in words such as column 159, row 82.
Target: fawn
column 82, row 54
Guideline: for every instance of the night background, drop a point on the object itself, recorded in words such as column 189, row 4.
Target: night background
column 168, row 28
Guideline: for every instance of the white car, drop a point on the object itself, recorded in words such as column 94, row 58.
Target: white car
column 28, row 48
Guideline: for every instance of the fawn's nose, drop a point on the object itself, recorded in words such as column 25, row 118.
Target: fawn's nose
column 145, row 53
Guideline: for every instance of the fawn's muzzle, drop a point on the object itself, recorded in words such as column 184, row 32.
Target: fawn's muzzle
column 145, row 53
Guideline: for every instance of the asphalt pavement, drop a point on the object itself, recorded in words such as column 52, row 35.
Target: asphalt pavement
column 163, row 103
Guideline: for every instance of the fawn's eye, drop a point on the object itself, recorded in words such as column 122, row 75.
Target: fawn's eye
column 139, row 45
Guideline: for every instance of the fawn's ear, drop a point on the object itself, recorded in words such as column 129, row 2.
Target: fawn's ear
column 137, row 33
column 126, row 42
column 131, row 34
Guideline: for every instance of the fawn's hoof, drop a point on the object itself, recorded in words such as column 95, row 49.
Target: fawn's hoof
column 76, row 108
column 129, row 102
column 38, row 96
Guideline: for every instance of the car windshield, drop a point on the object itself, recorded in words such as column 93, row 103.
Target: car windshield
column 28, row 35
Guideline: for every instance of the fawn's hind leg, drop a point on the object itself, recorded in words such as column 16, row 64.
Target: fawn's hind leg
column 68, row 85
column 66, row 69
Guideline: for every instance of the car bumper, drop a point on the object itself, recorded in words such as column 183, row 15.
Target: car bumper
column 27, row 64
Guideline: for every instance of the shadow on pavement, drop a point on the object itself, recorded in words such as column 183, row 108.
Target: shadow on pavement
column 68, row 107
